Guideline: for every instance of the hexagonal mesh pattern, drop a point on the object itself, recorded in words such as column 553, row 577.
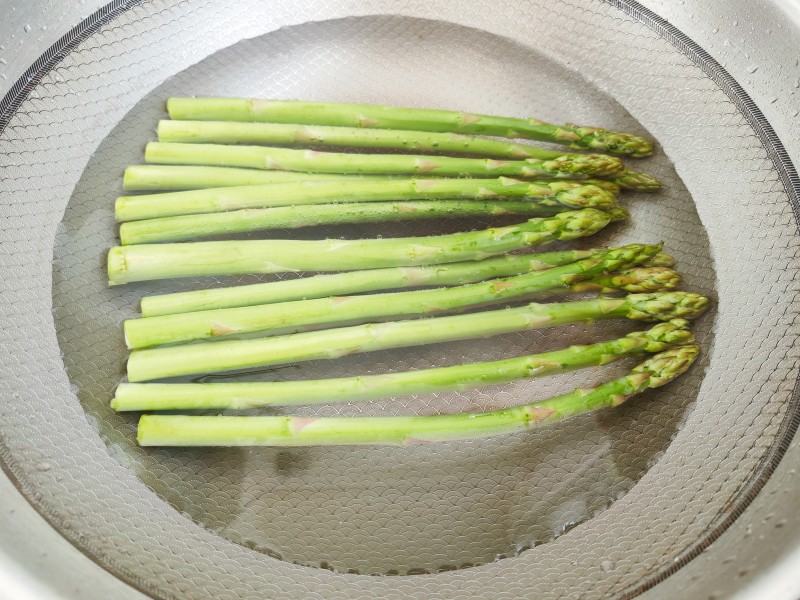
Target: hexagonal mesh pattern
column 199, row 523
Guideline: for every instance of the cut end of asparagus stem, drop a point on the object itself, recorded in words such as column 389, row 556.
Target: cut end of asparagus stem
column 117, row 266
column 615, row 142
column 637, row 181
column 664, row 306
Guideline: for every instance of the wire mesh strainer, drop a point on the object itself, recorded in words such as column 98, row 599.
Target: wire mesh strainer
column 636, row 489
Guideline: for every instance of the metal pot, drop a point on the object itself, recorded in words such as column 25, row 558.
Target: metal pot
column 689, row 491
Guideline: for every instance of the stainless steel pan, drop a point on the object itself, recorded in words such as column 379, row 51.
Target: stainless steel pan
column 627, row 503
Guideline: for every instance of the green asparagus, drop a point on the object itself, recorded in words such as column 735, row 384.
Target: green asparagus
column 267, row 318
column 636, row 279
column 139, row 178
column 367, row 116
column 662, row 259
column 353, row 282
column 224, row 355
column 185, row 227
column 237, row 396
column 153, row 178
column 567, row 166
column 556, row 194
column 290, row 134
column 160, row 261
column 636, row 181
column 286, row 430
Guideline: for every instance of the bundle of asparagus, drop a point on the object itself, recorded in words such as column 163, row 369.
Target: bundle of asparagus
column 217, row 171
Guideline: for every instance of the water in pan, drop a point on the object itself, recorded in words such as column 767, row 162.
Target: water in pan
column 383, row 510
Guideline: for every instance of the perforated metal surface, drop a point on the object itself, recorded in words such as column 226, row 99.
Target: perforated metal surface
column 380, row 510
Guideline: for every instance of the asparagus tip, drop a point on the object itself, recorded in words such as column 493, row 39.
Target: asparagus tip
column 662, row 259
column 637, row 181
column 666, row 366
column 615, row 142
column 586, row 196
column 664, row 306
column 675, row 332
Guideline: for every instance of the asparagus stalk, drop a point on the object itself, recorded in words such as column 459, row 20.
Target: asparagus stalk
column 636, row 280
column 286, row 430
column 291, row 134
column 228, row 355
column 239, row 395
column 368, row 116
column 567, row 166
column 184, row 227
column 160, row 261
column 140, row 178
column 353, row 282
column 556, row 194
column 267, row 318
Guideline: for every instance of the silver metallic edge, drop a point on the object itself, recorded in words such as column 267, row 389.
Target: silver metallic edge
column 19, row 92
column 791, row 183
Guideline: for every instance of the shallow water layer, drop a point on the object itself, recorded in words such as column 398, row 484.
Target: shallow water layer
column 384, row 510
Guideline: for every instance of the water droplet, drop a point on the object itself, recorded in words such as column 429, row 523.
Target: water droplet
column 27, row 28
column 716, row 30
column 735, row 23
column 3, row 61
column 43, row 27
column 607, row 566
column 43, row 466
column 773, row 100
column 780, row 523
column 752, row 69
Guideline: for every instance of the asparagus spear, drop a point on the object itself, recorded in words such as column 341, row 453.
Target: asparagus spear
column 353, row 282
column 185, row 227
column 636, row 279
column 176, row 178
column 206, row 357
column 567, row 166
column 420, row 119
column 266, row 318
column 239, row 395
column 552, row 194
column 286, row 430
column 161, row 261
column 291, row 134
